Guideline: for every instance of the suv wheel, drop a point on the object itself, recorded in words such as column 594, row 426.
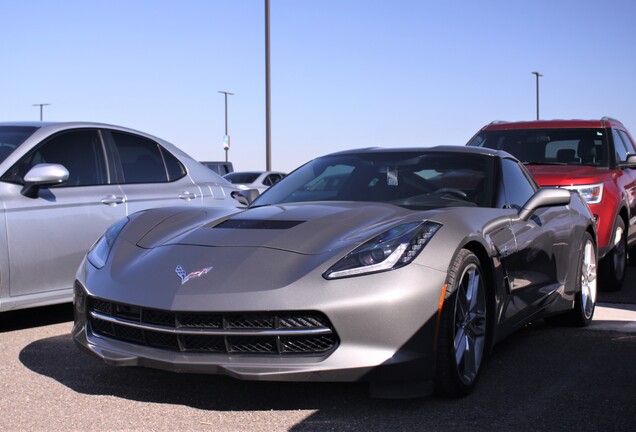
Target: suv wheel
column 613, row 265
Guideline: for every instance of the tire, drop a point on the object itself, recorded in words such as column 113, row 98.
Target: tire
column 586, row 288
column 614, row 265
column 462, row 336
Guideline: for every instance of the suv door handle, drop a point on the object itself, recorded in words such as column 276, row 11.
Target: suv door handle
column 187, row 196
column 112, row 200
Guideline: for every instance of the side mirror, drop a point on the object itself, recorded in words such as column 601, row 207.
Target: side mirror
column 629, row 163
column 246, row 197
column 43, row 175
column 545, row 197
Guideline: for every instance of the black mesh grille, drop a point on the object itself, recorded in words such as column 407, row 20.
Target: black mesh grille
column 311, row 332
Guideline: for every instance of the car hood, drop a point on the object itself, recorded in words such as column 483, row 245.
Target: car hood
column 302, row 228
column 566, row 175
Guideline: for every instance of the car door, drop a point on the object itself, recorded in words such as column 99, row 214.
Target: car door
column 541, row 246
column 149, row 175
column 626, row 177
column 48, row 235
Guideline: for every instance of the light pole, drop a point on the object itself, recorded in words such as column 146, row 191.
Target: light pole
column 537, row 74
column 268, row 117
column 226, row 139
column 41, row 108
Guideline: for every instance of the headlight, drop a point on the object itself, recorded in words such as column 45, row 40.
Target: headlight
column 390, row 250
column 98, row 254
column 592, row 194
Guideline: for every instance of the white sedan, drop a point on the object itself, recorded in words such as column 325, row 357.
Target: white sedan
column 260, row 180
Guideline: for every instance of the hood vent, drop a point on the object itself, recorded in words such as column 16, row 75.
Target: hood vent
column 257, row 224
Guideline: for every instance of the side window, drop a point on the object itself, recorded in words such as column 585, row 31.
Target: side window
column 142, row 160
column 81, row 152
column 518, row 187
column 629, row 145
column 176, row 170
column 272, row 179
column 619, row 147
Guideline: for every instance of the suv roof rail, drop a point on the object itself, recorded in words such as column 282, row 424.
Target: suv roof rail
column 605, row 118
column 499, row 121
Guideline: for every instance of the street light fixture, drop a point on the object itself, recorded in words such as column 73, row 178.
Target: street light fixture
column 226, row 138
column 41, row 108
column 537, row 74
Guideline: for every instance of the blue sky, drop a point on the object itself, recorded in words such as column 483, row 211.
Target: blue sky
column 345, row 73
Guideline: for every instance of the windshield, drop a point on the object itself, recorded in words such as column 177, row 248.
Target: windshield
column 417, row 180
column 566, row 146
column 11, row 137
column 242, row 177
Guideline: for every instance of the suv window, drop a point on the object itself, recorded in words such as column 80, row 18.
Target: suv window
column 619, row 147
column 518, row 187
column 145, row 161
column 80, row 151
column 571, row 146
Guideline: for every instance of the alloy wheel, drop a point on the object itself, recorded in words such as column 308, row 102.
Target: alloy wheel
column 470, row 324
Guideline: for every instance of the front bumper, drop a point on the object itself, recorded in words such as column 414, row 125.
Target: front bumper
column 384, row 326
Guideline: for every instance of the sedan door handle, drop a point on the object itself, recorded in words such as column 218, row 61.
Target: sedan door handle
column 187, row 196
column 112, row 200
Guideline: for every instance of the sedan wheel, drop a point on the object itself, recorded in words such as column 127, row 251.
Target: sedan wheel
column 463, row 325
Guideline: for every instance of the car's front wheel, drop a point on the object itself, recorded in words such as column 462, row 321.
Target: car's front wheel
column 462, row 333
column 613, row 265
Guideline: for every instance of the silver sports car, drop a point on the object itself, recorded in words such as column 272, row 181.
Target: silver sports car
column 400, row 267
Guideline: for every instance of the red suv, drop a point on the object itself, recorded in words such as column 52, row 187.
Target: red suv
column 597, row 158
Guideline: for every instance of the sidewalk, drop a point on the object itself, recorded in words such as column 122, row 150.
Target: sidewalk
column 614, row 316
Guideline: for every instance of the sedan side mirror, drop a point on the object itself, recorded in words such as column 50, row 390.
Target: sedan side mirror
column 43, row 175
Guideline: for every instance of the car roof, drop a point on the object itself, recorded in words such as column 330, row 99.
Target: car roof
column 54, row 126
column 553, row 124
column 437, row 149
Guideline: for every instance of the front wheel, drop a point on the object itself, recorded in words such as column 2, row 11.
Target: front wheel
column 613, row 265
column 462, row 330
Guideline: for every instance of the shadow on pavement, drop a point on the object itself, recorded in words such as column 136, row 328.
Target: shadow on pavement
column 541, row 378
column 35, row 317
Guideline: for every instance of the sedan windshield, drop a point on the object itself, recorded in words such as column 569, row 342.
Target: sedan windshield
column 563, row 146
column 417, row 180
column 11, row 137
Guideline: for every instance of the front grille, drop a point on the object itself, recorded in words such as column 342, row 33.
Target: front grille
column 282, row 333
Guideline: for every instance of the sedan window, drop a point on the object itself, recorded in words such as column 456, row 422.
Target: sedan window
column 142, row 160
column 79, row 151
column 11, row 137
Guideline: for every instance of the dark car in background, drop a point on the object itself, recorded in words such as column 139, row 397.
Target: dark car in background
column 597, row 158
column 62, row 184
column 219, row 167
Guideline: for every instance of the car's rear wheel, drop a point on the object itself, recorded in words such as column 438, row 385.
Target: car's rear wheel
column 613, row 265
column 586, row 288
column 461, row 342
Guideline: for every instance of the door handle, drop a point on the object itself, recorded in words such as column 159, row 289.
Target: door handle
column 112, row 200
column 187, row 196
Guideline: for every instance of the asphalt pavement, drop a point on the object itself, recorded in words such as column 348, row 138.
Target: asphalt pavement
column 542, row 378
